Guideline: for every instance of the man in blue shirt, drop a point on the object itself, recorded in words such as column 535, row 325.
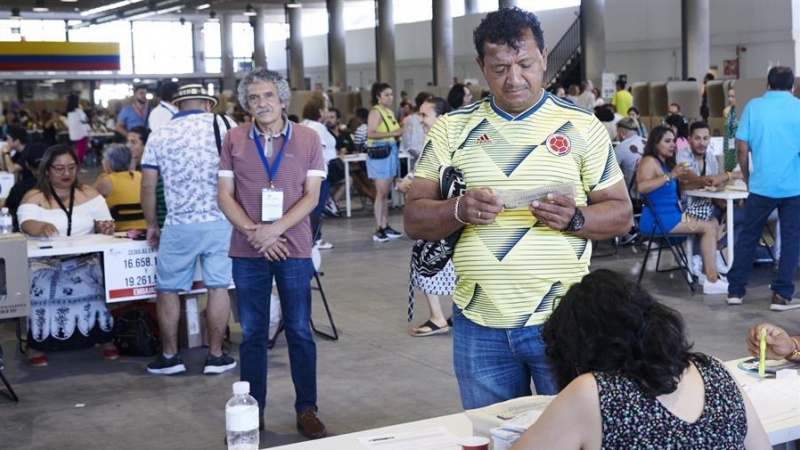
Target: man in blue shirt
column 767, row 131
column 135, row 114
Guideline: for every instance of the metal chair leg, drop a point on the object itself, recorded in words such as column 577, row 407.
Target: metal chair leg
column 11, row 394
column 335, row 335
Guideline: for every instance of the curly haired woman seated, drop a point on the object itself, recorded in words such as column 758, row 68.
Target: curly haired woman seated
column 629, row 378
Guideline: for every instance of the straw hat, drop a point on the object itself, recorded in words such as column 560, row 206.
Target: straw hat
column 193, row 92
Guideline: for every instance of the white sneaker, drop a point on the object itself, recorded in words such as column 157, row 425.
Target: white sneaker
column 718, row 287
column 734, row 300
column 721, row 266
column 324, row 245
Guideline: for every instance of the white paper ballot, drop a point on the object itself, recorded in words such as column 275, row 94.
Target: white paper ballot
column 522, row 198
column 438, row 438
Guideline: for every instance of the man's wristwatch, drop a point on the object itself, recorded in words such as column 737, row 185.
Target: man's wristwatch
column 576, row 223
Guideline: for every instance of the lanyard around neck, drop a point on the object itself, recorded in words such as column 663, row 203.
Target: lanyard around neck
column 274, row 170
column 68, row 212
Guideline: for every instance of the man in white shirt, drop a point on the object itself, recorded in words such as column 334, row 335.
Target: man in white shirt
column 586, row 100
column 314, row 113
column 630, row 148
column 163, row 113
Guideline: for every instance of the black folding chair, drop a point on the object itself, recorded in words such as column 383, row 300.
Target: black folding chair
column 317, row 274
column 334, row 335
column 672, row 241
column 127, row 212
column 11, row 394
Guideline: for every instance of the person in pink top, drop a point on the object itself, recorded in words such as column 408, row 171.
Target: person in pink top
column 269, row 180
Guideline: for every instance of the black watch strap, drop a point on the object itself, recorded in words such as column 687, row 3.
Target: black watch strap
column 576, row 223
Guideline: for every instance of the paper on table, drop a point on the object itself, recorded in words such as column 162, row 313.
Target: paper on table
column 437, row 438
column 774, row 400
column 522, row 422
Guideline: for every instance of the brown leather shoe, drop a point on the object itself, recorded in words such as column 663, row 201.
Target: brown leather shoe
column 309, row 425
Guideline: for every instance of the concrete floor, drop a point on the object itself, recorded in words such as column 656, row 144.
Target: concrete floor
column 375, row 375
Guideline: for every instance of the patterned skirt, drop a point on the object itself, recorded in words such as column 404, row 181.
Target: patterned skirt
column 68, row 304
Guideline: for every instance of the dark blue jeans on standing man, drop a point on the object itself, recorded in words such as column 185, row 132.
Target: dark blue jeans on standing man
column 493, row 365
column 253, row 278
column 757, row 210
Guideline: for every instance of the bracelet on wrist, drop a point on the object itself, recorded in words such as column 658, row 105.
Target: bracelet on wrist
column 455, row 212
column 795, row 350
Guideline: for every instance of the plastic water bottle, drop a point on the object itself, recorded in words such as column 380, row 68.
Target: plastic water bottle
column 6, row 225
column 241, row 418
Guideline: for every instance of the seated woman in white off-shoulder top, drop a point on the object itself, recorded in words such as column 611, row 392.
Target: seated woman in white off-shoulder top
column 68, row 307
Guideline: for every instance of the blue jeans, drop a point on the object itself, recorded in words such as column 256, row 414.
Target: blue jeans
column 494, row 365
column 253, row 278
column 757, row 210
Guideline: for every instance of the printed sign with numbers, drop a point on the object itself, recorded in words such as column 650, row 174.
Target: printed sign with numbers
column 130, row 271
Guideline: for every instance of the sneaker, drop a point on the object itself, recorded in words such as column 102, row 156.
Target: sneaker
column 735, row 300
column 324, row 245
column 718, row 287
column 721, row 266
column 218, row 364
column 331, row 209
column 309, row 425
column 781, row 304
column 392, row 234
column 380, row 236
column 628, row 238
column 164, row 366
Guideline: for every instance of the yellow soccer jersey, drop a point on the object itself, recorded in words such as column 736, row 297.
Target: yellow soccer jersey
column 514, row 272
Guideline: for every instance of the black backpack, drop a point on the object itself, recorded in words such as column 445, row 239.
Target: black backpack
column 136, row 333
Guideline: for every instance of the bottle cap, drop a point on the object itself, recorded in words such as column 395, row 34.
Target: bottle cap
column 241, row 387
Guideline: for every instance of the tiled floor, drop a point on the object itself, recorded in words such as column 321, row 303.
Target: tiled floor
column 375, row 375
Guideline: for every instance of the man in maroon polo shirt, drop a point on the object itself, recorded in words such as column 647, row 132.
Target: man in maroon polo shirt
column 269, row 180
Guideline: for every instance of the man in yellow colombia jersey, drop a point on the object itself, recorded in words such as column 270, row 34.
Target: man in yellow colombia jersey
column 514, row 265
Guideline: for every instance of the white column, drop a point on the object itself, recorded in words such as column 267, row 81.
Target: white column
column 695, row 40
column 295, row 63
column 260, row 46
column 199, row 46
column 593, row 41
column 442, row 27
column 226, row 39
column 385, row 44
column 337, row 58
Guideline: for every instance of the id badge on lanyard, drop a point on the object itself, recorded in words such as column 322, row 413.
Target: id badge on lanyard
column 271, row 204
column 271, row 198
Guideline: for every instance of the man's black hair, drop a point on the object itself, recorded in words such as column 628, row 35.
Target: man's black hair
column 18, row 133
column 507, row 26
column 699, row 125
column 169, row 90
column 780, row 78
column 336, row 111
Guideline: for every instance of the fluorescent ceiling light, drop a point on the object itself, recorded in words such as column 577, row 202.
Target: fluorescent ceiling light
column 69, row 1
column 205, row 6
column 109, row 7
column 249, row 11
column 294, row 4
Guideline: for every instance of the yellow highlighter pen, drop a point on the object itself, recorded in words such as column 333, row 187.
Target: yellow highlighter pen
column 762, row 354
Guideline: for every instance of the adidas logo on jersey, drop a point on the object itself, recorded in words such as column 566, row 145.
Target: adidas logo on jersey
column 483, row 139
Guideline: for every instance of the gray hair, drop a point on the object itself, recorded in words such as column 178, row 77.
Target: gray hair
column 118, row 157
column 262, row 74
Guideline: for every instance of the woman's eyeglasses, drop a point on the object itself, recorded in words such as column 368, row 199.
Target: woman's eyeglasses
column 72, row 168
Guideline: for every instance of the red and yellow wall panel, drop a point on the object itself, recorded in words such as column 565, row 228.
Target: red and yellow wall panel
column 59, row 56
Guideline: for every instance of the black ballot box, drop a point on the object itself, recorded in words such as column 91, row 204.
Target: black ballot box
column 15, row 288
